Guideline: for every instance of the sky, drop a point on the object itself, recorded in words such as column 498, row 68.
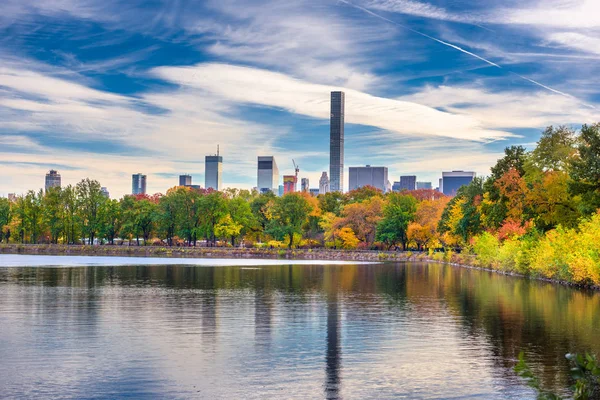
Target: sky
column 108, row 88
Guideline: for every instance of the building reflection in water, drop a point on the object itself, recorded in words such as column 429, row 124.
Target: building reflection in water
column 262, row 319
column 333, row 357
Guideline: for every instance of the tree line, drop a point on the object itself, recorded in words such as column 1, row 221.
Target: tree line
column 517, row 218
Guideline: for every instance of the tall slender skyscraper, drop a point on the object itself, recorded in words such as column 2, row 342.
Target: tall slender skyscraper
column 336, row 143
column 138, row 184
column 213, row 171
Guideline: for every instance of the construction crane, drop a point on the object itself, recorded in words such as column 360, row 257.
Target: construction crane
column 296, row 168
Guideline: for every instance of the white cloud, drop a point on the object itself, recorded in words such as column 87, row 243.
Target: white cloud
column 577, row 41
column 503, row 110
column 255, row 86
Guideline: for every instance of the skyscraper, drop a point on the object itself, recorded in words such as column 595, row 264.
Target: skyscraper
column 138, row 184
column 336, row 142
column 105, row 192
column 423, row 185
column 213, row 171
column 452, row 181
column 268, row 174
column 368, row 176
column 408, row 182
column 52, row 179
column 185, row 180
column 324, row 183
column 305, row 185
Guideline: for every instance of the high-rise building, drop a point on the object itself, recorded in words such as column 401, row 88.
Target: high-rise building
column 105, row 192
column 138, row 184
column 305, row 185
column 185, row 180
column 336, row 143
column 441, row 185
column 52, row 179
column 423, row 185
column 408, row 182
column 280, row 191
column 452, row 181
column 314, row 192
column 324, row 183
column 12, row 197
column 289, row 184
column 396, row 187
column 268, row 174
column 213, row 171
column 368, row 176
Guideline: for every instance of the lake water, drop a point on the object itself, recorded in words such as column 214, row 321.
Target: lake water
column 105, row 328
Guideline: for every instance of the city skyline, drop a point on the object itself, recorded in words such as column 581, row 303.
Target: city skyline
column 430, row 86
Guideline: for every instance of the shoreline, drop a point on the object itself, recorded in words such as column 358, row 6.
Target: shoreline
column 456, row 260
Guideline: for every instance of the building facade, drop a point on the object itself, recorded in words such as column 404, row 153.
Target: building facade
column 314, row 192
column 52, row 179
column 305, row 186
column 138, row 184
column 213, row 172
column 424, row 185
column 368, row 176
column 452, row 181
column 289, row 184
column 324, row 183
column 336, row 142
column 408, row 182
column 185, row 180
column 268, row 174
column 105, row 192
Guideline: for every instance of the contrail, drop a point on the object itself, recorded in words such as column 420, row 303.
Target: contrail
column 461, row 50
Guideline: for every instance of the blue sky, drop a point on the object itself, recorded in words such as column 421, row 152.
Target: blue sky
column 104, row 89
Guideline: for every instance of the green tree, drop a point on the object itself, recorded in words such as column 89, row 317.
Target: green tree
column 5, row 218
column 53, row 213
column 555, row 149
column 167, row 216
column 241, row 215
column 110, row 220
column 260, row 207
column 90, row 201
column 33, row 215
column 71, row 221
column 289, row 213
column 398, row 212
column 332, row 202
column 585, row 169
column 214, row 208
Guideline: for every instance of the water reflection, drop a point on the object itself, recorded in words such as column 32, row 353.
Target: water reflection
column 352, row 331
column 333, row 358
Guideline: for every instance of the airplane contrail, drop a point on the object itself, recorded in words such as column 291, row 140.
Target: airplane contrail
column 366, row 10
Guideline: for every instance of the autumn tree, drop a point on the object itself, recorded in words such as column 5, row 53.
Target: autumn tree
column 362, row 193
column 423, row 230
column 362, row 218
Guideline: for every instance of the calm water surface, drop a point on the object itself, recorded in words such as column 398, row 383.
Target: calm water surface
column 83, row 327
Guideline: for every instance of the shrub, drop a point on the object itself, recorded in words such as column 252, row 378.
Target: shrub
column 487, row 247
